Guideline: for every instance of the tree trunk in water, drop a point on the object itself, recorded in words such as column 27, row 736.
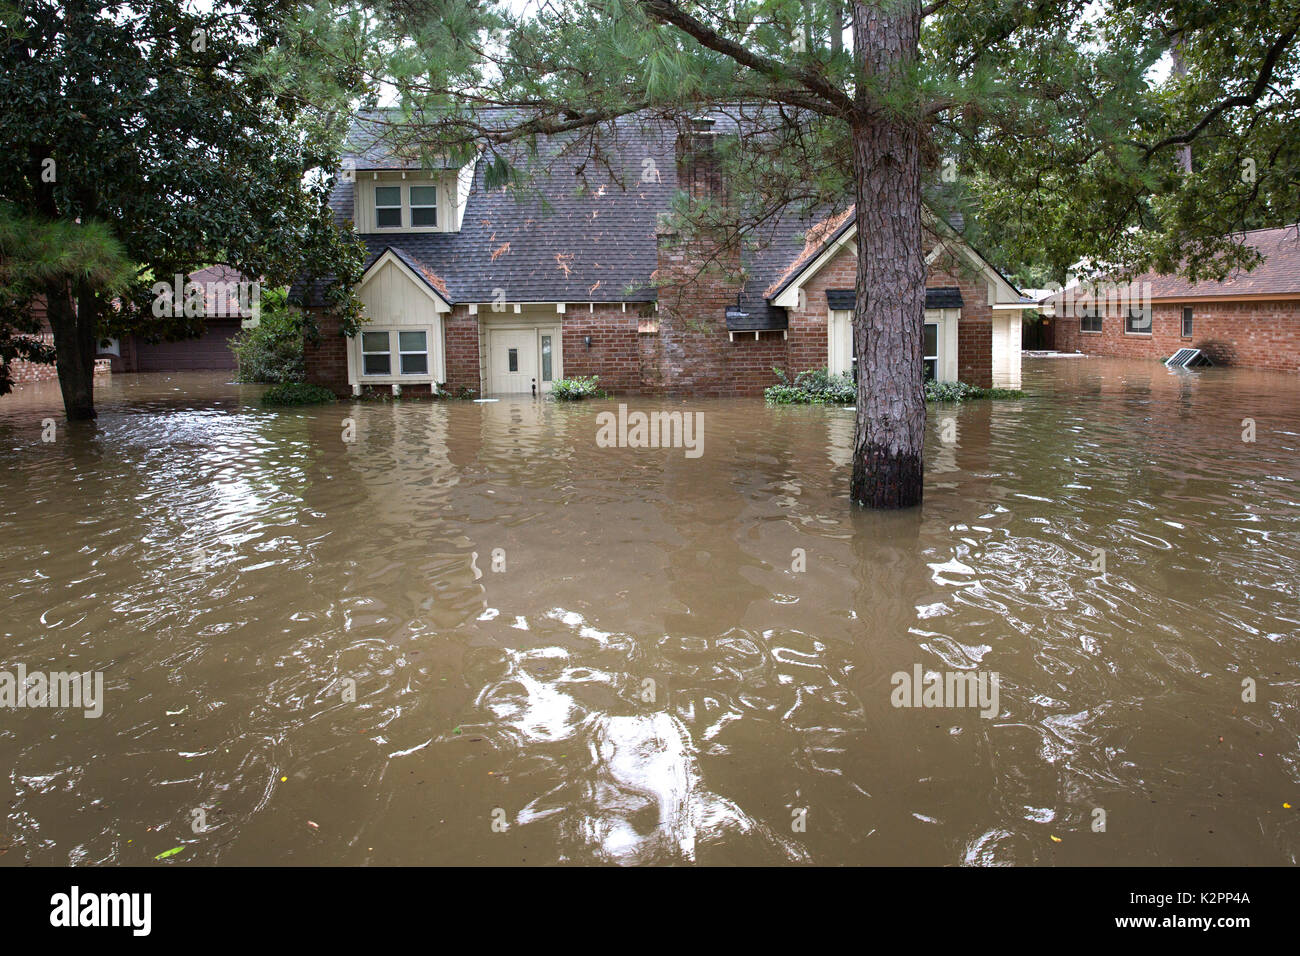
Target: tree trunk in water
column 889, row 315
column 74, row 344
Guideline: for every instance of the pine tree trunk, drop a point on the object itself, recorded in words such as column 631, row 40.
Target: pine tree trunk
column 74, row 345
column 889, row 315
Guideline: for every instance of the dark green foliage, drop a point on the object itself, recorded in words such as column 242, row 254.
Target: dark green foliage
column 576, row 389
column 272, row 351
column 297, row 393
column 817, row 387
column 960, row 392
column 35, row 252
column 813, row 387
column 185, row 131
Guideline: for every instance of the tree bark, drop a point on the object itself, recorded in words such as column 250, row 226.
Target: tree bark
column 889, row 314
column 74, row 345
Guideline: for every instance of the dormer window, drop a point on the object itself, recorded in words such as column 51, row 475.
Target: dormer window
column 424, row 205
column 388, row 207
column 409, row 201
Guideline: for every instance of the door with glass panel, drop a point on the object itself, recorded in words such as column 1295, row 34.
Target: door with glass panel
column 512, row 361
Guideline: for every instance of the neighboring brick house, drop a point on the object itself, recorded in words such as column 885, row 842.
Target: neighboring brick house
column 1249, row 319
column 22, row 372
column 210, row 351
column 507, row 290
column 133, row 353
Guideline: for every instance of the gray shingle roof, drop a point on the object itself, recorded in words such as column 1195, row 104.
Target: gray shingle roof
column 582, row 230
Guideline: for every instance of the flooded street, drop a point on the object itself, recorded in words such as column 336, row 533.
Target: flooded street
column 471, row 635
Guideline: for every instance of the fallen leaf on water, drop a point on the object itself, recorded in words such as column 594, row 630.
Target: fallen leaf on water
column 314, row 825
column 1055, row 838
column 166, row 853
column 1286, row 806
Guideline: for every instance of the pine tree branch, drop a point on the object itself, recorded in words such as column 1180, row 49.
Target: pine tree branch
column 827, row 99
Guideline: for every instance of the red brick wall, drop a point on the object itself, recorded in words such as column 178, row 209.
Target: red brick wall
column 1253, row 334
column 697, row 282
column 326, row 362
column 21, row 371
column 460, row 344
column 615, row 354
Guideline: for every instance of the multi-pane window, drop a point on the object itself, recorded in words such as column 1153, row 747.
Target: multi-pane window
column 413, row 348
column 512, row 359
column 1137, row 320
column 931, row 349
column 424, row 205
column 1090, row 321
column 1187, row 323
column 388, row 207
column 376, row 354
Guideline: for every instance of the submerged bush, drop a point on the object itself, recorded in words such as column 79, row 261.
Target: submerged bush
column 960, row 392
column 575, row 389
column 297, row 393
column 272, row 351
column 813, row 387
column 819, row 387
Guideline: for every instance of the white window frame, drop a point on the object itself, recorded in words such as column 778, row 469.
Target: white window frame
column 402, row 353
column 938, row 334
column 1188, row 320
column 1092, row 313
column 395, row 353
column 388, row 352
column 412, row 206
column 400, row 207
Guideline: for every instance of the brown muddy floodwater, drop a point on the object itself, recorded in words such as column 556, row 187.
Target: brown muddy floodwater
column 638, row 675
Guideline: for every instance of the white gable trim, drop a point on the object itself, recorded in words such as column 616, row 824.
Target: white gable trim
column 790, row 296
column 1000, row 292
column 439, row 303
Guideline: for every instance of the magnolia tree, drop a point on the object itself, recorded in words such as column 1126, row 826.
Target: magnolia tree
column 144, row 140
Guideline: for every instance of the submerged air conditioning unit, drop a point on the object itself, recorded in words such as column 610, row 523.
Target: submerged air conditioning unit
column 1188, row 358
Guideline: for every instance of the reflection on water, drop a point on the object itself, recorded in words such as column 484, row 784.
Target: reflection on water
column 472, row 635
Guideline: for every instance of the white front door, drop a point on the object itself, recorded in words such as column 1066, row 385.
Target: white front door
column 512, row 361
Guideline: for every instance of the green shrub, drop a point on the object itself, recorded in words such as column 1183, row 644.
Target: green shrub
column 813, row 387
column 960, row 392
column 819, row 387
column 576, row 389
column 271, row 352
column 297, row 393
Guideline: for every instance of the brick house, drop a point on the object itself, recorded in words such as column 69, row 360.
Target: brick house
column 1250, row 319
column 209, row 351
column 134, row 353
column 504, row 291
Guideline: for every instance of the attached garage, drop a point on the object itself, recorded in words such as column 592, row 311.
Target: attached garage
column 211, row 350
